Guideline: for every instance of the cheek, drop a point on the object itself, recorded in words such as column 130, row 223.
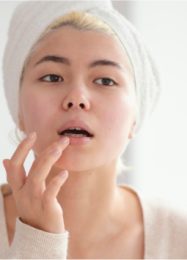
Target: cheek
column 37, row 111
column 120, row 115
column 118, row 122
column 31, row 111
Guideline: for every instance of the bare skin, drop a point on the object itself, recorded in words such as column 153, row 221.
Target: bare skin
column 126, row 237
column 85, row 201
column 126, row 244
column 37, row 204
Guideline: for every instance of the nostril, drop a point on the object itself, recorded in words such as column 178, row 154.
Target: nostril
column 82, row 105
column 70, row 104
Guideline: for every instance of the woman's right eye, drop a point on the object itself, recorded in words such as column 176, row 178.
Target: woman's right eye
column 51, row 78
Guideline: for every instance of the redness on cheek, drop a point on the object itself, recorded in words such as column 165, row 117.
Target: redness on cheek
column 34, row 112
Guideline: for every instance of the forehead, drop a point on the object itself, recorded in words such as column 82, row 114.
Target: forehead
column 81, row 45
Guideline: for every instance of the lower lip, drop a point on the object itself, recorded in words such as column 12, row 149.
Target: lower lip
column 79, row 140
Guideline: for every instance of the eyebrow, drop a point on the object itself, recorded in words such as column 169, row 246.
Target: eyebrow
column 53, row 58
column 66, row 61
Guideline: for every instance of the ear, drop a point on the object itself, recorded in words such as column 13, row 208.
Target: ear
column 132, row 131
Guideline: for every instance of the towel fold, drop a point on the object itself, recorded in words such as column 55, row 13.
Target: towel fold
column 29, row 21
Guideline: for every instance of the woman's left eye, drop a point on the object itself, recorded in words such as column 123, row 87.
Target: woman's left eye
column 106, row 82
column 51, row 78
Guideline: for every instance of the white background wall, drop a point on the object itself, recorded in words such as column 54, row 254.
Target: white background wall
column 6, row 124
column 161, row 155
column 159, row 152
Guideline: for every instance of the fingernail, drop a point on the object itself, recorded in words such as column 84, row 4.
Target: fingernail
column 64, row 140
column 56, row 151
column 31, row 136
column 63, row 174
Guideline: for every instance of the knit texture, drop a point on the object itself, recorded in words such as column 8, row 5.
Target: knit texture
column 30, row 20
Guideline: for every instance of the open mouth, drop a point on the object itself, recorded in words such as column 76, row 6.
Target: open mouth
column 75, row 132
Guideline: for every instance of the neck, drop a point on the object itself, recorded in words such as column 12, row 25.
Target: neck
column 90, row 200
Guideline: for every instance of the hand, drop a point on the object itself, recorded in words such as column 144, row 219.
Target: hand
column 36, row 203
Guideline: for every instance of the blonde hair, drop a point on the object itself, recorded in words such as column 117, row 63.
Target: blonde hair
column 81, row 21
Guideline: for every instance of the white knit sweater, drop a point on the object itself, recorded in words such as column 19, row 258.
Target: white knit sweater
column 165, row 235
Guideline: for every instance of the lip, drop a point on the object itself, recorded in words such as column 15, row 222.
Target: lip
column 75, row 124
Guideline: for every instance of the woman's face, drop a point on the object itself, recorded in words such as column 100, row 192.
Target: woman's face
column 79, row 79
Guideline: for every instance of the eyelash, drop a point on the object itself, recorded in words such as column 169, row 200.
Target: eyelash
column 57, row 78
column 51, row 81
column 108, row 79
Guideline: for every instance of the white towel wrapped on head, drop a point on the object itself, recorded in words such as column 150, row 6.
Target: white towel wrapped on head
column 29, row 21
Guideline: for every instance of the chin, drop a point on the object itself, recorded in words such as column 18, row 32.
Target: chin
column 79, row 163
column 74, row 164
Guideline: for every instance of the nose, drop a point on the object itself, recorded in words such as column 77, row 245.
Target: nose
column 76, row 99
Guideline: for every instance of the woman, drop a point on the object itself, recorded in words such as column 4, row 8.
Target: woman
column 79, row 83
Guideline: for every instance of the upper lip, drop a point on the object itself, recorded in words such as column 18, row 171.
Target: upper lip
column 75, row 124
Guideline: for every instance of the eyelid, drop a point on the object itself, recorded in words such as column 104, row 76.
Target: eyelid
column 114, row 82
column 48, row 75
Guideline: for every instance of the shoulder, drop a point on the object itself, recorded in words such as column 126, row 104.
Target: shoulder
column 165, row 227
column 165, row 212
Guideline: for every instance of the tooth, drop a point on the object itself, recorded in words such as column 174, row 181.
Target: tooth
column 68, row 134
column 76, row 128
